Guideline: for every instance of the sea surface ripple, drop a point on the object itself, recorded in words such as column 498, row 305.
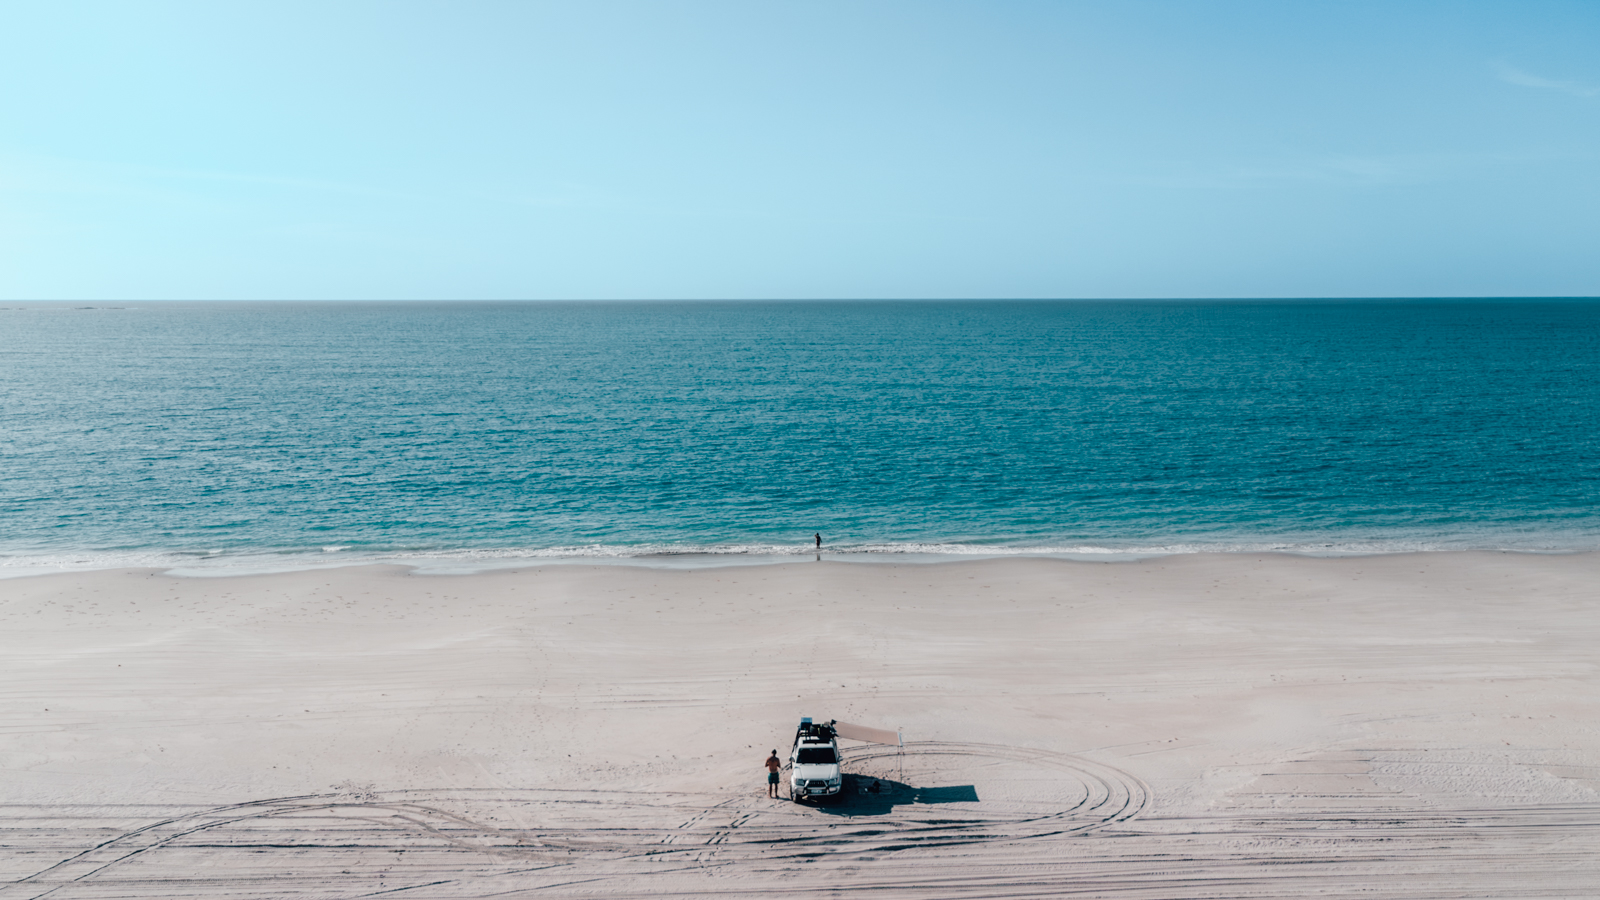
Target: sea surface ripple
column 164, row 432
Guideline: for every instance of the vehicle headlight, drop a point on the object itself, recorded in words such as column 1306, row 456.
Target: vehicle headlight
column 835, row 781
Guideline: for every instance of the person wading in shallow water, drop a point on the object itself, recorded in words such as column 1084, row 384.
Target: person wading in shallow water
column 773, row 765
column 819, row 540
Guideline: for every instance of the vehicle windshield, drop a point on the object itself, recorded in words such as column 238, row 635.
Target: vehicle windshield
column 816, row 755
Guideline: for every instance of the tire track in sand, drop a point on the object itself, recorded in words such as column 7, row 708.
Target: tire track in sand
column 607, row 830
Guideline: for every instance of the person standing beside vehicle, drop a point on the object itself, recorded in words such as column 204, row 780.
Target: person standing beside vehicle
column 774, row 764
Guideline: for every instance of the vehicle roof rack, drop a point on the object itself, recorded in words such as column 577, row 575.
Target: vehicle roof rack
column 811, row 732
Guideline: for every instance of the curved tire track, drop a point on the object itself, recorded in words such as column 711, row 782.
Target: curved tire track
column 587, row 830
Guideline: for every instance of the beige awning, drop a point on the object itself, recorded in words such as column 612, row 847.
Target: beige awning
column 870, row 735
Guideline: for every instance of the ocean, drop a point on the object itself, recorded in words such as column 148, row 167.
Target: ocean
column 230, row 436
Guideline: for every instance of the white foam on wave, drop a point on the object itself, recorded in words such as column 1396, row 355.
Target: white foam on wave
column 214, row 563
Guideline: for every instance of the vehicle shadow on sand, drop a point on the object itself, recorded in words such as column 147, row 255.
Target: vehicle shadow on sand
column 863, row 795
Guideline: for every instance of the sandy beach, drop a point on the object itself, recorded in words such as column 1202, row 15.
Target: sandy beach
column 1195, row 726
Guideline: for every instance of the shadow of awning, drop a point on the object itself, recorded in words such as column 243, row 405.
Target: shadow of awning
column 956, row 793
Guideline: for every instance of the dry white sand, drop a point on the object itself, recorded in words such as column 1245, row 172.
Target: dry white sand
column 1196, row 727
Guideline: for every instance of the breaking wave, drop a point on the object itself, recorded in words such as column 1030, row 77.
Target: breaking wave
column 674, row 555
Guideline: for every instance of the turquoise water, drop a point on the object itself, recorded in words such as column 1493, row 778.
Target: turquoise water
column 163, row 433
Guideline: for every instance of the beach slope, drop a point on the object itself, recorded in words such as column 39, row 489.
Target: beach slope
column 1200, row 726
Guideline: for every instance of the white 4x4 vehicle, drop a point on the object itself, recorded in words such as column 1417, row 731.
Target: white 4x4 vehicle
column 814, row 762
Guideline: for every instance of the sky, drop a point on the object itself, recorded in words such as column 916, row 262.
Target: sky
column 608, row 150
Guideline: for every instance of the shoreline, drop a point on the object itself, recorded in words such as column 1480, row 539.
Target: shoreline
column 226, row 565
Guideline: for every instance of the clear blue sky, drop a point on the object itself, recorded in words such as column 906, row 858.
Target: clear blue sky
column 809, row 149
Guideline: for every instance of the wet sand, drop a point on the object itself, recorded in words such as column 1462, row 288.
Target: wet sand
column 1204, row 726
